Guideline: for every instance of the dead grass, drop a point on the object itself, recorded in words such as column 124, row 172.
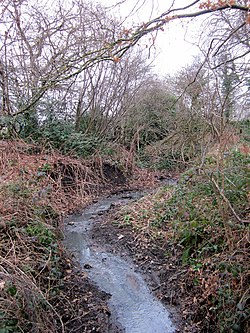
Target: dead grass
column 38, row 285
column 37, row 189
column 210, row 283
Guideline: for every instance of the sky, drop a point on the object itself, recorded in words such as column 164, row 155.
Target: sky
column 173, row 48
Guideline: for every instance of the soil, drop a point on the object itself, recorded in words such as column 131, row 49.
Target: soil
column 90, row 311
column 50, row 184
column 163, row 276
column 160, row 262
column 83, row 307
column 76, row 304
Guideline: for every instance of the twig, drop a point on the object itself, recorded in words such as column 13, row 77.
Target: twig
column 28, row 280
column 46, row 264
column 228, row 202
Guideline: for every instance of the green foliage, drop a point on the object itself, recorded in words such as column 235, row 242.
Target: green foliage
column 11, row 289
column 92, row 125
column 62, row 136
column 41, row 233
column 5, row 125
column 150, row 117
column 22, row 125
column 45, row 168
column 231, row 314
column 127, row 220
column 180, row 145
column 18, row 190
column 29, row 125
column 245, row 130
column 163, row 160
column 11, row 127
column 212, row 246
column 8, row 325
column 235, row 175
column 194, row 210
column 45, row 213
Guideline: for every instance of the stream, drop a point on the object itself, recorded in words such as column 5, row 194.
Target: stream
column 131, row 304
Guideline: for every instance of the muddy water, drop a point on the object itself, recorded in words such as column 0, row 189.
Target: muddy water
column 131, row 303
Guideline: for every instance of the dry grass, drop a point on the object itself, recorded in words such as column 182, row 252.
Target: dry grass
column 210, row 282
column 36, row 190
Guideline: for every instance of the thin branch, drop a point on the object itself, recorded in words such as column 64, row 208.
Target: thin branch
column 228, row 37
column 225, row 199
column 231, row 60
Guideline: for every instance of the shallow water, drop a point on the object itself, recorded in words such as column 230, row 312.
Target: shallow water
column 131, row 303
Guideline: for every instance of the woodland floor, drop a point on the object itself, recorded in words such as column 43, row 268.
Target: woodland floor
column 166, row 278
column 160, row 262
column 37, row 190
column 96, row 315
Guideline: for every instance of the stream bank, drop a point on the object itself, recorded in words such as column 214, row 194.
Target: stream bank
column 131, row 303
column 41, row 289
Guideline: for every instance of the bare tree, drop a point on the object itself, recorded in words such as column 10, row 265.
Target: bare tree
column 107, row 91
column 54, row 59
column 191, row 10
column 41, row 51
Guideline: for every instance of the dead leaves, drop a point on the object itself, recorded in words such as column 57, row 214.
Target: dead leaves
column 116, row 59
column 248, row 19
column 214, row 5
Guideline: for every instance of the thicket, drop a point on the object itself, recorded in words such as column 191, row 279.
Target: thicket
column 213, row 241
column 59, row 93
column 37, row 281
column 206, row 243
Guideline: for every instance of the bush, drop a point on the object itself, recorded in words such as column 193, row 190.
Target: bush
column 63, row 136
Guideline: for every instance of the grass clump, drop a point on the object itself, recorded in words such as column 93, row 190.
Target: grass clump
column 211, row 224
column 202, row 224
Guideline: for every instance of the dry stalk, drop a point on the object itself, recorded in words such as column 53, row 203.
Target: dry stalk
column 228, row 202
column 23, row 278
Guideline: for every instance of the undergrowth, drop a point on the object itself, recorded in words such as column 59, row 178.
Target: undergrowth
column 206, row 236
column 66, row 139
column 40, row 291
column 211, row 248
column 36, row 190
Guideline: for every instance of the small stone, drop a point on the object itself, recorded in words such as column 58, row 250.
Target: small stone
column 120, row 237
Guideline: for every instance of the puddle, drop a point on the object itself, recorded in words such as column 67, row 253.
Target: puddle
column 131, row 303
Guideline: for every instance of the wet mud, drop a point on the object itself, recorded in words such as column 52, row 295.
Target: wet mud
column 132, row 305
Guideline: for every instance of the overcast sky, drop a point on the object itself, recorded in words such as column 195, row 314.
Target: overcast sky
column 175, row 47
